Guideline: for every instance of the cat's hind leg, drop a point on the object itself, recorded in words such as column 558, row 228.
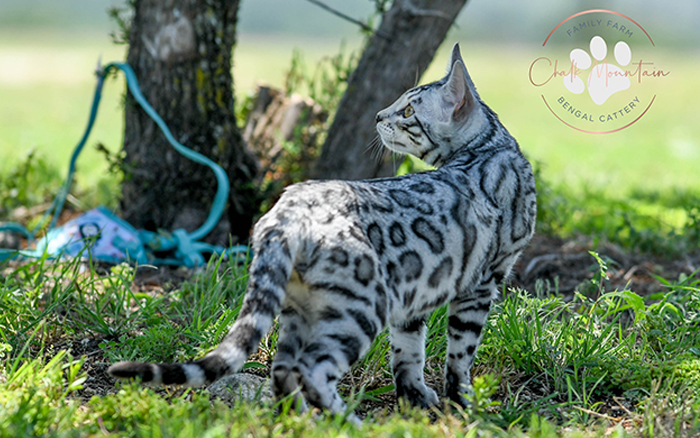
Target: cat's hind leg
column 340, row 336
column 319, row 383
column 408, row 361
column 285, row 372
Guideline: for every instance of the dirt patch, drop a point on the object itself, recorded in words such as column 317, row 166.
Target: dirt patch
column 565, row 265
column 98, row 382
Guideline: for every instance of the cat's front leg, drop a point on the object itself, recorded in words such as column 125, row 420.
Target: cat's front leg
column 467, row 317
column 408, row 348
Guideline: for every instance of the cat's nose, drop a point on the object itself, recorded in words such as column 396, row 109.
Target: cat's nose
column 379, row 117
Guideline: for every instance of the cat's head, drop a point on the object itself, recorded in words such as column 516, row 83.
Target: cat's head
column 433, row 120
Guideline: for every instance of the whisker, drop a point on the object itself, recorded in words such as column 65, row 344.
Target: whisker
column 377, row 143
column 393, row 144
column 372, row 143
column 376, row 148
column 381, row 152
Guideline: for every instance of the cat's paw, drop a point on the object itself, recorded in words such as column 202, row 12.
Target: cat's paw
column 604, row 79
column 424, row 397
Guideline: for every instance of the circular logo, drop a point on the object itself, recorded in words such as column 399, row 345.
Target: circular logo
column 596, row 73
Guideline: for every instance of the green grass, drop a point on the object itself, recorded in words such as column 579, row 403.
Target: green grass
column 547, row 367
column 605, row 362
column 662, row 222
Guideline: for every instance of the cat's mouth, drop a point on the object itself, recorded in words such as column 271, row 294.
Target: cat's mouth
column 388, row 136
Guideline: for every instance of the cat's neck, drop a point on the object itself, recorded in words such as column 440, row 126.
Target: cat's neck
column 488, row 138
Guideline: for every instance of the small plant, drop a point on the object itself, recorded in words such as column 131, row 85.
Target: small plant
column 481, row 406
column 670, row 411
column 123, row 17
column 34, row 399
column 29, row 184
column 583, row 352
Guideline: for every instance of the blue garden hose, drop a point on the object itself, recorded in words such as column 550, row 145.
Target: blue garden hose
column 221, row 196
column 188, row 249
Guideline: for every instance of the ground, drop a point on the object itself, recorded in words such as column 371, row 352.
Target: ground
column 567, row 263
column 550, row 264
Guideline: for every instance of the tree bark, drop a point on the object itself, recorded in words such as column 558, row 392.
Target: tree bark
column 397, row 54
column 181, row 53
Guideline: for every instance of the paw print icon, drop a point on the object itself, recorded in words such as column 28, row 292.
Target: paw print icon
column 604, row 79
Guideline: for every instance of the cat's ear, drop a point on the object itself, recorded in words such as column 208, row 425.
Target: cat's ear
column 454, row 57
column 457, row 93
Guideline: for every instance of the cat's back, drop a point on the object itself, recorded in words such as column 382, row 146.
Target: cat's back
column 312, row 214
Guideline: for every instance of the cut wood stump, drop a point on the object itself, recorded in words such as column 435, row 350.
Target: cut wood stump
column 284, row 131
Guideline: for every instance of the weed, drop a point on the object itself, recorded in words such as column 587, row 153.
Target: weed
column 34, row 398
column 123, row 17
column 31, row 182
column 581, row 353
column 30, row 185
column 670, row 412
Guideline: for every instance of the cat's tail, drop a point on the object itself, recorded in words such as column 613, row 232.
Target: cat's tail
column 270, row 271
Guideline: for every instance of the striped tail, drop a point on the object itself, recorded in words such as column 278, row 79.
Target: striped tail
column 270, row 271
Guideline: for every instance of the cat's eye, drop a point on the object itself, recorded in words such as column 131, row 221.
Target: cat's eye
column 408, row 111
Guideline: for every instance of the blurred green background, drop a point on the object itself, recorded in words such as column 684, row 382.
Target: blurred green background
column 49, row 48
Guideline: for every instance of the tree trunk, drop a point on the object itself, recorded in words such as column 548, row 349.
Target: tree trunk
column 181, row 53
column 398, row 53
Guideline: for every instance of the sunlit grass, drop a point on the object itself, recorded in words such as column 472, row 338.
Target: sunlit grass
column 547, row 366
column 46, row 85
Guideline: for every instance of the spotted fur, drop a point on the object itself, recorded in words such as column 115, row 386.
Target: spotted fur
column 337, row 261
